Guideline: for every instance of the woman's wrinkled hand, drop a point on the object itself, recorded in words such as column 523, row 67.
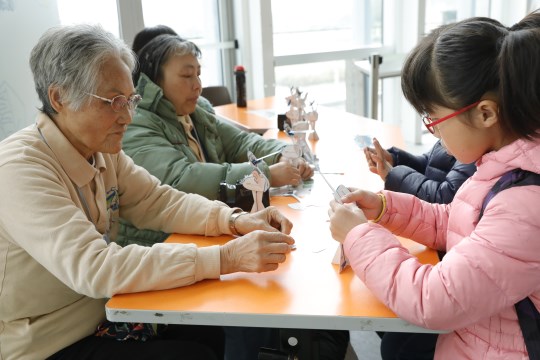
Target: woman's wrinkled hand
column 284, row 173
column 269, row 219
column 258, row 251
column 306, row 170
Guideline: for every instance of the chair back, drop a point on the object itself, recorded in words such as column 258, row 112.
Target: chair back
column 217, row 95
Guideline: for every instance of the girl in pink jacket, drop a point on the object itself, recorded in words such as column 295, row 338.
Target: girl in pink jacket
column 476, row 84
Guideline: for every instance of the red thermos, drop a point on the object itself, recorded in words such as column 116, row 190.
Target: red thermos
column 240, row 75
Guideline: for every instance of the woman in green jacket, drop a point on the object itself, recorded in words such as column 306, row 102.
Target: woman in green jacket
column 182, row 144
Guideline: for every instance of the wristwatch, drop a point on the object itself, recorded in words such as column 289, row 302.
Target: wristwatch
column 232, row 221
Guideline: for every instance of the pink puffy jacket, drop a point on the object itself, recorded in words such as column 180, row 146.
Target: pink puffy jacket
column 489, row 266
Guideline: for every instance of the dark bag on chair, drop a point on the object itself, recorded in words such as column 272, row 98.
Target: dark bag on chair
column 528, row 315
column 238, row 196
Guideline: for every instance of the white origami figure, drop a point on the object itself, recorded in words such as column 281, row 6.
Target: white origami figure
column 296, row 103
column 292, row 153
column 312, row 117
column 293, row 115
column 300, row 129
column 301, row 101
column 258, row 184
column 291, row 99
column 294, row 100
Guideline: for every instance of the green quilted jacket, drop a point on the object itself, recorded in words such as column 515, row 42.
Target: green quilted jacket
column 157, row 141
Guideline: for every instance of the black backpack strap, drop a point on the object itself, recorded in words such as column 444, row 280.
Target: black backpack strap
column 516, row 177
column 529, row 322
column 528, row 315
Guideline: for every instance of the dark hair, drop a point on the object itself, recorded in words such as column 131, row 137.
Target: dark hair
column 144, row 36
column 418, row 81
column 520, row 77
column 155, row 54
column 457, row 64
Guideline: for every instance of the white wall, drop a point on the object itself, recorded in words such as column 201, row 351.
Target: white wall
column 21, row 24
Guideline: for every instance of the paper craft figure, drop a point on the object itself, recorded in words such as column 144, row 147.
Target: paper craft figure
column 258, row 184
column 254, row 161
column 293, row 115
column 363, row 141
column 252, row 158
column 340, row 258
column 292, row 100
column 298, row 137
column 292, row 153
column 301, row 101
column 297, row 104
column 296, row 99
column 299, row 130
column 312, row 117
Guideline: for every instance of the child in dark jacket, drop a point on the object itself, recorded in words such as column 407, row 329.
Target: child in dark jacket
column 434, row 176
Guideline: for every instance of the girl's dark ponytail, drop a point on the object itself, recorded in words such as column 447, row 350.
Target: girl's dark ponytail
column 519, row 74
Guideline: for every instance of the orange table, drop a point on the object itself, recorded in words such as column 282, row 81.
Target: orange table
column 259, row 115
column 336, row 148
column 307, row 291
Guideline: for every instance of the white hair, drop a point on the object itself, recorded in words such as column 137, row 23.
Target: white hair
column 70, row 57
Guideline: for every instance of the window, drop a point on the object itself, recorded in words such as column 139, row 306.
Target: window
column 323, row 81
column 197, row 21
column 440, row 12
column 308, row 26
column 313, row 28
column 102, row 12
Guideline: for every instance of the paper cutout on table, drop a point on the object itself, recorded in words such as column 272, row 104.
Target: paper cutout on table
column 318, row 246
column 303, row 206
column 363, row 141
column 292, row 153
column 341, row 191
column 265, row 113
column 257, row 182
column 338, row 192
column 340, row 258
column 254, row 160
column 298, row 135
column 312, row 117
column 293, row 115
column 297, row 111
column 296, row 103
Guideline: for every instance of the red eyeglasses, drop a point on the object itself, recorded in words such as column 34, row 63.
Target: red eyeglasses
column 430, row 123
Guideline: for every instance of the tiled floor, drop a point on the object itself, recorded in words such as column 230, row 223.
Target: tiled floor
column 366, row 345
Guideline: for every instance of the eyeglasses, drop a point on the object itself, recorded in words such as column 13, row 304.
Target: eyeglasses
column 119, row 102
column 430, row 123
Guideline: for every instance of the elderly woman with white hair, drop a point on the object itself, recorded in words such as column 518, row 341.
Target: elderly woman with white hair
column 64, row 182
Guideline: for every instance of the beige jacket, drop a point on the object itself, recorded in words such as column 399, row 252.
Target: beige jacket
column 56, row 268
